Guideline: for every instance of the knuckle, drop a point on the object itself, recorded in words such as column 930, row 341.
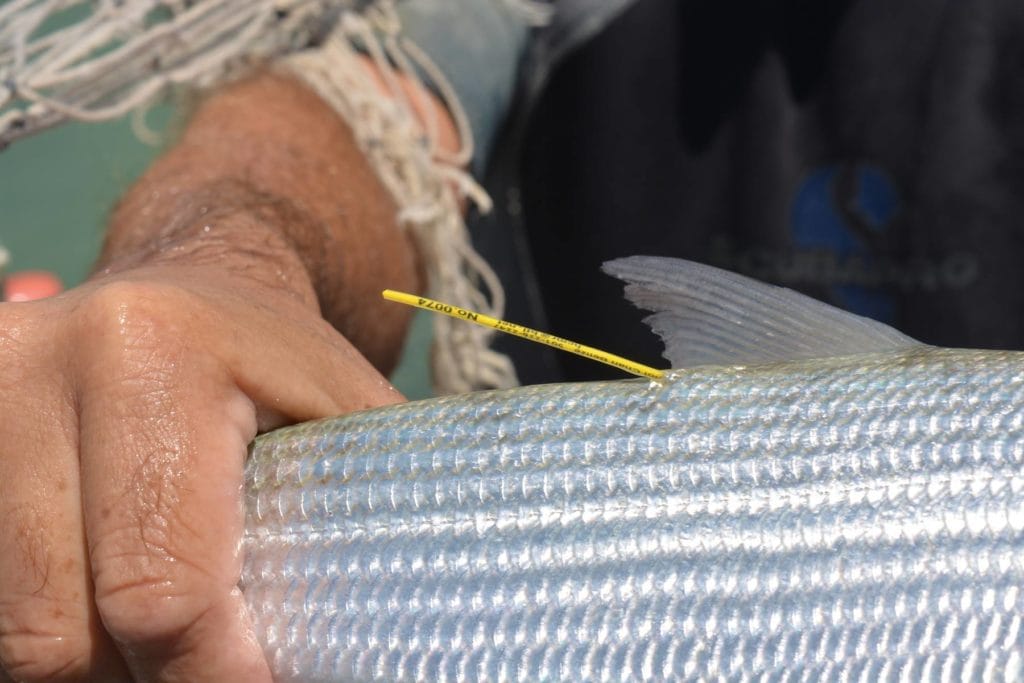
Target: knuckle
column 134, row 315
column 140, row 331
column 136, row 610
column 40, row 643
column 21, row 348
column 147, row 599
column 13, row 329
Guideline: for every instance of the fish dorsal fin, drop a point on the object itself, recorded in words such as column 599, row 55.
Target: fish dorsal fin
column 706, row 316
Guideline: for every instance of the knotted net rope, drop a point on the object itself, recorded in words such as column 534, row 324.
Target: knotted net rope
column 97, row 60
column 101, row 59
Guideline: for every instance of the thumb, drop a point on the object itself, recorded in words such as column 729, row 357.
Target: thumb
column 304, row 372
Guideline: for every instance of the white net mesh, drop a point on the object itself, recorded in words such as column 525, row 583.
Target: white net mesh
column 100, row 59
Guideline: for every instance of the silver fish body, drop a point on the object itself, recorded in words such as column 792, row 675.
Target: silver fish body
column 859, row 517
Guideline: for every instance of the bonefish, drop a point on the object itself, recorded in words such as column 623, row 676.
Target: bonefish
column 808, row 494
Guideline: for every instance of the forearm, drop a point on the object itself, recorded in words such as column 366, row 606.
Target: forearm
column 267, row 182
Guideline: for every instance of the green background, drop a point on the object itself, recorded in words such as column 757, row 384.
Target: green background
column 57, row 189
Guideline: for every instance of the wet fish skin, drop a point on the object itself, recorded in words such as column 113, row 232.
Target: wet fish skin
column 860, row 517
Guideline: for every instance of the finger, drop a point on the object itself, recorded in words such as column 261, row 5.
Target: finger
column 306, row 370
column 49, row 628
column 310, row 376
column 163, row 439
column 293, row 364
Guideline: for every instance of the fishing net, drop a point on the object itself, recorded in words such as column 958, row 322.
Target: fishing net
column 101, row 59
column 66, row 60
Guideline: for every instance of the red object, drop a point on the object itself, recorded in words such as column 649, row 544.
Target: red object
column 28, row 285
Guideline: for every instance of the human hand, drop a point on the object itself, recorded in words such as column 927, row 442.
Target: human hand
column 126, row 407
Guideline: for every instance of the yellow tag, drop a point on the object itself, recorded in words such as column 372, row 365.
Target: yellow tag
column 525, row 333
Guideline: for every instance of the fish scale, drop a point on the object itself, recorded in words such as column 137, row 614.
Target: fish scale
column 840, row 517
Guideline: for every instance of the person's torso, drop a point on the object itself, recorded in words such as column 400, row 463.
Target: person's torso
column 866, row 153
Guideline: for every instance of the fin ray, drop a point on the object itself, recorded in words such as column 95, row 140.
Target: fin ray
column 706, row 315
